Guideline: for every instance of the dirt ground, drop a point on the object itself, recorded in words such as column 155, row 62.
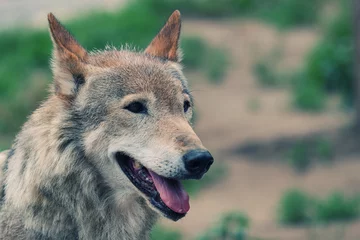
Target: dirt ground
column 226, row 120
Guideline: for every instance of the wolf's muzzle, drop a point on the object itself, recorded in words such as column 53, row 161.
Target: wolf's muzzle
column 197, row 163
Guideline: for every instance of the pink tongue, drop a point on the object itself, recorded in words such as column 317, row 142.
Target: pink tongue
column 172, row 193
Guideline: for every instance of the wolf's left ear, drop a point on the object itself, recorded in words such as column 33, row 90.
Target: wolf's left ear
column 166, row 43
column 69, row 60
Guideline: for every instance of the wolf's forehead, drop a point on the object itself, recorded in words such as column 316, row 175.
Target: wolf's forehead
column 130, row 73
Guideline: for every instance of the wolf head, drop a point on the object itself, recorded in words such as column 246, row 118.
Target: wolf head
column 132, row 112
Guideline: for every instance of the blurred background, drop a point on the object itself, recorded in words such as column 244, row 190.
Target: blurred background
column 274, row 86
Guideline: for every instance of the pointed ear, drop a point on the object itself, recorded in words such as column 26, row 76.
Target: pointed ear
column 69, row 60
column 166, row 43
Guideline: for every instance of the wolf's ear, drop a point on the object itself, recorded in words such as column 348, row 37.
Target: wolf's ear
column 69, row 59
column 166, row 43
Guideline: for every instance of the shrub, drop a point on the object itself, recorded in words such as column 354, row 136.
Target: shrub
column 297, row 207
column 201, row 8
column 289, row 13
column 324, row 149
column 281, row 13
column 309, row 97
column 194, row 52
column 198, row 54
column 265, row 74
column 337, row 207
column 232, row 226
column 300, row 157
column 294, row 207
column 216, row 65
column 329, row 65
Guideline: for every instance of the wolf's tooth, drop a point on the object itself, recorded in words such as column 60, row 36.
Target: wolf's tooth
column 137, row 165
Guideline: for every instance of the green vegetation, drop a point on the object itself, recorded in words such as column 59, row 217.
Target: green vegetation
column 265, row 70
column 308, row 96
column 232, row 226
column 303, row 153
column 294, row 207
column 195, row 51
column 199, row 55
column 324, row 149
column 281, row 13
column 299, row 157
column 265, row 74
column 337, row 207
column 25, row 55
column 216, row 65
column 161, row 233
column 329, row 65
column 297, row 207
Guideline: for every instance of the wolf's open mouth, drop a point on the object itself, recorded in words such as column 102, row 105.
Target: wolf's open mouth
column 165, row 194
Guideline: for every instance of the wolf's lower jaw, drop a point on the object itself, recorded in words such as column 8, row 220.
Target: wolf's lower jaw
column 143, row 181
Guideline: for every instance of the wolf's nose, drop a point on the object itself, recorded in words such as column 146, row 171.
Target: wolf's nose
column 198, row 162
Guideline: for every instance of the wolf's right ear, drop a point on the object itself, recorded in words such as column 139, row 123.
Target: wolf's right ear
column 166, row 43
column 69, row 60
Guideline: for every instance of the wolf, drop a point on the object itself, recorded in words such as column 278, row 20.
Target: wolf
column 103, row 156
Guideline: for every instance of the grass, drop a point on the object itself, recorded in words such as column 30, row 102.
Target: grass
column 298, row 207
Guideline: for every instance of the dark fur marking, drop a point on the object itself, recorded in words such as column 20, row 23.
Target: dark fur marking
column 2, row 195
column 35, row 235
column 23, row 166
column 65, row 142
column 5, row 168
column 11, row 153
column 36, row 209
column 177, row 75
column 79, row 80
column 24, row 161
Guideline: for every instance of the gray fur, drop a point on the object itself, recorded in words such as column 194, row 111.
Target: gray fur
column 61, row 181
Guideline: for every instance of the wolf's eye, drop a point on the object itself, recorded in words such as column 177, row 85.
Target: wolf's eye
column 186, row 105
column 136, row 107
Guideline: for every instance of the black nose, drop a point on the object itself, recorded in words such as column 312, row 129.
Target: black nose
column 198, row 162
